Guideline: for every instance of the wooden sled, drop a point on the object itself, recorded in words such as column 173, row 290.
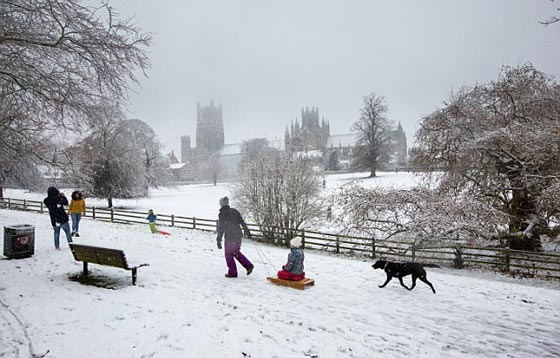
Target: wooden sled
column 300, row 285
column 163, row 232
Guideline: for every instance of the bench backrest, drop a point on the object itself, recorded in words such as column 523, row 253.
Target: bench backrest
column 99, row 255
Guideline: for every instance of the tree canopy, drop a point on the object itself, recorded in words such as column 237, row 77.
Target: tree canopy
column 499, row 146
column 57, row 60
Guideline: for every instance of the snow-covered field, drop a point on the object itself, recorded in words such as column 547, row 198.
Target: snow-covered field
column 201, row 200
column 183, row 306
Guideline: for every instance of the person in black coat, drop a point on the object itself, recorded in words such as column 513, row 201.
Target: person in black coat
column 230, row 223
column 55, row 202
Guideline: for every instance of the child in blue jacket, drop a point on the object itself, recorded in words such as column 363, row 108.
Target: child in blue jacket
column 293, row 269
column 152, row 221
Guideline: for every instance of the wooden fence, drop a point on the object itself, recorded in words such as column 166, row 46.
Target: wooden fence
column 458, row 256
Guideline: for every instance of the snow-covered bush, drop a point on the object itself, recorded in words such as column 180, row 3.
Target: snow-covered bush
column 280, row 191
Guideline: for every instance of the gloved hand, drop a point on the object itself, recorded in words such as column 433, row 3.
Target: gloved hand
column 219, row 244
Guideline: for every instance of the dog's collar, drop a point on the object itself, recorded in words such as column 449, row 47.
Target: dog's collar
column 386, row 263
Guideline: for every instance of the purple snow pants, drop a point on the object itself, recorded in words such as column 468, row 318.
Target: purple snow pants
column 232, row 250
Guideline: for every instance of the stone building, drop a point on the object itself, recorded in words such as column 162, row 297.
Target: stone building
column 209, row 128
column 344, row 145
column 209, row 134
column 310, row 135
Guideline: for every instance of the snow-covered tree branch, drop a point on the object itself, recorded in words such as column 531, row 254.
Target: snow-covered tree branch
column 57, row 59
column 499, row 143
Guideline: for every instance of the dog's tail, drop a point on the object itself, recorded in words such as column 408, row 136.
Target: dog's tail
column 431, row 265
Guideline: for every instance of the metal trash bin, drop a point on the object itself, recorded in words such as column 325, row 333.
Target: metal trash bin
column 19, row 241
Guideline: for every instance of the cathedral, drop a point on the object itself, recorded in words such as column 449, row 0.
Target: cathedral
column 209, row 134
column 310, row 135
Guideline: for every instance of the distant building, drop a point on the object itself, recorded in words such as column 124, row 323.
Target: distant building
column 172, row 158
column 209, row 142
column 311, row 135
column 345, row 144
column 399, row 147
column 209, row 129
column 186, row 150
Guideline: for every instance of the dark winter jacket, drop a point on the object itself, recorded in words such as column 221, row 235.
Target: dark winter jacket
column 230, row 223
column 55, row 202
column 295, row 261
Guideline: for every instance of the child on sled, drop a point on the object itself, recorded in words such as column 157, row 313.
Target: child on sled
column 293, row 269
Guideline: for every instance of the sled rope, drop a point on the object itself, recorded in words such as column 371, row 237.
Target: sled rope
column 262, row 257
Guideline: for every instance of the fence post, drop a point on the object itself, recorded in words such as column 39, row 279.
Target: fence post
column 9, row 203
column 337, row 245
column 507, row 259
column 458, row 262
column 216, row 225
column 172, row 220
column 194, row 224
column 24, row 204
column 112, row 215
column 41, row 207
column 413, row 252
column 373, row 247
column 93, row 213
column 303, row 239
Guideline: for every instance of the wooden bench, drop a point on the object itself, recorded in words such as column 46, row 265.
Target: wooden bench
column 300, row 285
column 102, row 256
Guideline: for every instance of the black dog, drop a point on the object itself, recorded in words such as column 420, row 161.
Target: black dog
column 400, row 270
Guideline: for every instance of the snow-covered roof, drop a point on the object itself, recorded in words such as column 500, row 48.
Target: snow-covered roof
column 310, row 154
column 237, row 148
column 231, row 149
column 342, row 140
column 177, row 165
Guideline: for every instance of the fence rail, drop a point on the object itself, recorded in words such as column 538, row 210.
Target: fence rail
column 503, row 259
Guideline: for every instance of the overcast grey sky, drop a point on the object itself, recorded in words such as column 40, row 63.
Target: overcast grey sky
column 265, row 60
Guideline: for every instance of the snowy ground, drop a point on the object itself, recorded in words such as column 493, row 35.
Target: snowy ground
column 201, row 200
column 183, row 306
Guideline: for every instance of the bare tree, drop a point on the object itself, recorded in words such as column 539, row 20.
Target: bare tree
column 499, row 143
column 280, row 191
column 373, row 129
column 57, row 58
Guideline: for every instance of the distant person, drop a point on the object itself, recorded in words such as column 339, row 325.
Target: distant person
column 55, row 202
column 293, row 269
column 329, row 213
column 230, row 223
column 152, row 221
column 77, row 209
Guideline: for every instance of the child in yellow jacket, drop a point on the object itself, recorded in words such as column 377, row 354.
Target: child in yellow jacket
column 76, row 209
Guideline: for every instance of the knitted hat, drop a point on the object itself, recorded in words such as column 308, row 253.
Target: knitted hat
column 224, row 201
column 295, row 242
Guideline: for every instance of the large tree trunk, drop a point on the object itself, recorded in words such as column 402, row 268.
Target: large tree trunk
column 524, row 226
